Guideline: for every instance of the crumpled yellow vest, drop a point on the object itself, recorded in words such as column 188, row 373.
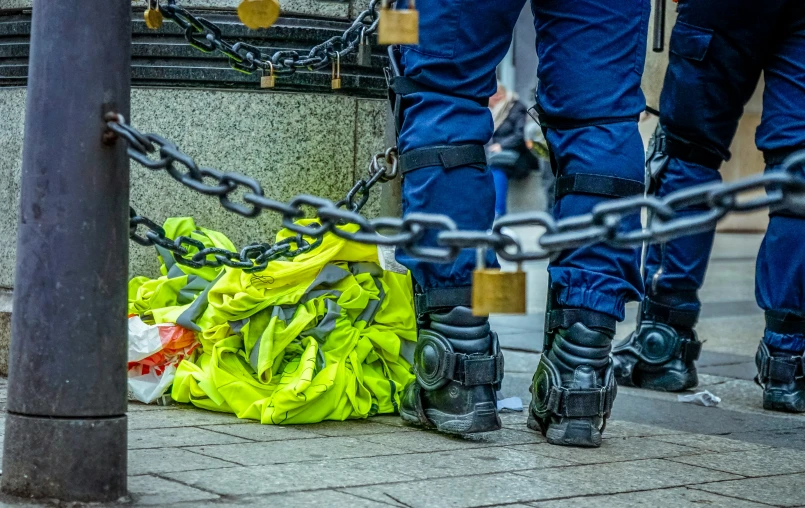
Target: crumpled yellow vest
column 322, row 336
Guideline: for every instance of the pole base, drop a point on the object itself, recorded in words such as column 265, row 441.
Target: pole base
column 70, row 460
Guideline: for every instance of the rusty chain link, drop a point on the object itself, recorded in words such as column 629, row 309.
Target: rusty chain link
column 206, row 36
column 608, row 222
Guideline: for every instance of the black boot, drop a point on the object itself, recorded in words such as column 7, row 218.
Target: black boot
column 782, row 376
column 660, row 354
column 574, row 388
column 458, row 367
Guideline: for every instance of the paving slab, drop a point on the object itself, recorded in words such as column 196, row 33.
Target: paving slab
column 257, row 432
column 710, row 443
column 474, row 461
column 164, row 460
column 180, row 417
column 351, row 428
column 293, row 477
column 786, row 490
column 431, row 441
column 678, row 498
column 177, row 437
column 152, row 490
column 536, row 485
column 281, row 452
column 612, row 450
column 759, row 462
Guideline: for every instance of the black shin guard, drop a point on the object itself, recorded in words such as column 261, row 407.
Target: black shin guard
column 660, row 354
column 574, row 388
column 458, row 367
column 782, row 376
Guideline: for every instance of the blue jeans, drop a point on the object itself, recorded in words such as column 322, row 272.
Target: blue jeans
column 591, row 56
column 718, row 50
column 501, row 190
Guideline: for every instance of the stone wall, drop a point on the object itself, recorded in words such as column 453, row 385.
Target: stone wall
column 292, row 142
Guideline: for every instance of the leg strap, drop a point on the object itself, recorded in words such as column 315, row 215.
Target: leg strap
column 449, row 157
column 428, row 300
column 669, row 315
column 599, row 185
column 690, row 152
column 785, row 323
column 547, row 121
column 784, row 369
column 436, row 363
column 565, row 318
column 578, row 403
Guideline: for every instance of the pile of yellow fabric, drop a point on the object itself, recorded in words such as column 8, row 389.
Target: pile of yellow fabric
column 321, row 336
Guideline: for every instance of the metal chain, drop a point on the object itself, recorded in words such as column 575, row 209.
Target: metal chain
column 206, row 36
column 436, row 238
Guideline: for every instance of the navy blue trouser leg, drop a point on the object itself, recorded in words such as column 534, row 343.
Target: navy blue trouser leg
column 461, row 44
column 718, row 50
column 591, row 60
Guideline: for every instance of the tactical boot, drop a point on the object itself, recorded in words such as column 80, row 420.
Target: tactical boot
column 660, row 354
column 458, row 367
column 782, row 376
column 574, row 387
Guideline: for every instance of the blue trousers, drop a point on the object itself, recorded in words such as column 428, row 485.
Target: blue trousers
column 501, row 190
column 591, row 57
column 718, row 50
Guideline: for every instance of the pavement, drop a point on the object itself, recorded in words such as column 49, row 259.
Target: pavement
column 657, row 451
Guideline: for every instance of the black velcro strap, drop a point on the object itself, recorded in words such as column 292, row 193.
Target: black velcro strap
column 474, row 370
column 599, row 185
column 402, row 85
column 785, row 323
column 669, row 315
column 439, row 298
column 449, row 157
column 690, row 350
column 565, row 318
column 547, row 121
column 776, row 157
column 690, row 152
column 579, row 403
column 783, row 369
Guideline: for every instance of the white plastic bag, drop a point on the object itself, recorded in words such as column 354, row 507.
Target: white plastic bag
column 704, row 398
column 154, row 353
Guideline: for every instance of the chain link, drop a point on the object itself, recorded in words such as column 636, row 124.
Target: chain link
column 206, row 36
column 436, row 238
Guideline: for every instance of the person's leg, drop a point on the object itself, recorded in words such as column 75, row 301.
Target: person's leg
column 501, row 190
column 591, row 56
column 444, row 123
column 717, row 51
column 780, row 281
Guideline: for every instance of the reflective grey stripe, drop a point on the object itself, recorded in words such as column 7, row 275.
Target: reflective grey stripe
column 371, row 268
column 407, row 349
column 195, row 285
column 188, row 317
column 327, row 323
column 330, row 274
column 373, row 306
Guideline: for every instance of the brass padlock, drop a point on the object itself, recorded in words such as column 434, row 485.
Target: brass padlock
column 153, row 16
column 497, row 292
column 336, row 82
column 364, row 50
column 398, row 26
column 269, row 81
column 259, row 13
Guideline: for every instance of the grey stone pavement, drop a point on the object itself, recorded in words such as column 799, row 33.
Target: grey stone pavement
column 656, row 451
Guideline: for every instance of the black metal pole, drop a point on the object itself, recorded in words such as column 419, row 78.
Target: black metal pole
column 659, row 26
column 65, row 432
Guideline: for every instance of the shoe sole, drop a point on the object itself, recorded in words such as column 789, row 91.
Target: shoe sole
column 484, row 418
column 667, row 382
column 569, row 432
column 781, row 402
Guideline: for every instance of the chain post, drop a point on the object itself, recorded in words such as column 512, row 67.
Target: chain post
column 65, row 432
